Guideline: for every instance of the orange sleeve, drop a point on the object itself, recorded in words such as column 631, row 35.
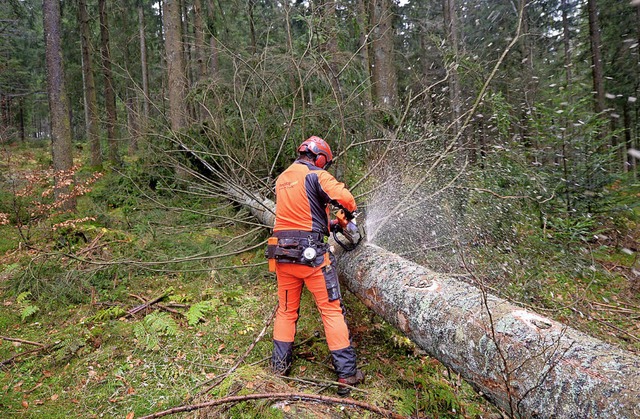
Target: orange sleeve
column 337, row 191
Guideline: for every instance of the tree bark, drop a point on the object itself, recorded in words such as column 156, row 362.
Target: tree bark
column 383, row 73
column 21, row 120
column 90, row 98
column 144, row 68
column 109, row 91
column 130, row 96
column 629, row 161
column 361, row 18
column 597, row 71
column 566, row 42
column 451, row 33
column 175, row 64
column 252, row 26
column 61, row 143
column 213, row 42
column 527, row 364
column 198, row 28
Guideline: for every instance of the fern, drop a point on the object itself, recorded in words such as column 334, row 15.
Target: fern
column 109, row 313
column 23, row 296
column 145, row 338
column 198, row 311
column 162, row 324
column 28, row 310
column 149, row 330
column 407, row 401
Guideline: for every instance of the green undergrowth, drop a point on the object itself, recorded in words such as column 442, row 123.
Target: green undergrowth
column 590, row 283
column 80, row 353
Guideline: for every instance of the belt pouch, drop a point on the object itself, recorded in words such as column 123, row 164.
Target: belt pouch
column 331, row 280
column 272, row 243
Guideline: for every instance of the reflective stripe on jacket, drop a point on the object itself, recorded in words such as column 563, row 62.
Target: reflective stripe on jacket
column 303, row 195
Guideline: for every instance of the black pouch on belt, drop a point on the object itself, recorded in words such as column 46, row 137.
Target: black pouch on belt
column 331, row 279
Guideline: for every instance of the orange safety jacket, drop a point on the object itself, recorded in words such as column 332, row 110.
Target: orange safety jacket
column 303, row 195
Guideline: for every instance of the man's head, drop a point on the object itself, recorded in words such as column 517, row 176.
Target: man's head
column 317, row 150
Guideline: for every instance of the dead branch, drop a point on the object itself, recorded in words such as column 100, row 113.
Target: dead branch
column 324, row 383
column 16, row 356
column 277, row 396
column 146, row 305
column 170, row 310
column 26, row 342
column 163, row 307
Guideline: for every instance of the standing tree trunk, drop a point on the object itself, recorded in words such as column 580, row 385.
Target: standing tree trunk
column 568, row 125
column 198, row 28
column 21, row 121
column 363, row 36
column 252, row 26
column 61, row 147
column 213, row 42
column 109, row 91
column 144, row 68
column 200, row 56
column 187, row 47
column 175, row 64
column 596, row 56
column 130, row 102
column 426, row 63
column 383, row 73
column 90, row 100
column 451, row 33
column 630, row 162
column 566, row 41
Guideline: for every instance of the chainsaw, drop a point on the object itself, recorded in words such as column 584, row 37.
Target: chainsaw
column 346, row 231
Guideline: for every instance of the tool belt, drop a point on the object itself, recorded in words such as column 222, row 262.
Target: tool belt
column 293, row 246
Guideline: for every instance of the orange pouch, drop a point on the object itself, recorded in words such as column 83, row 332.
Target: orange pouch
column 272, row 242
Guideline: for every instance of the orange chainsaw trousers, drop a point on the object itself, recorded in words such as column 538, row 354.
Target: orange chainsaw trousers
column 291, row 278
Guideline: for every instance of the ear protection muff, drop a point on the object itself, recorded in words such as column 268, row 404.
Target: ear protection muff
column 320, row 161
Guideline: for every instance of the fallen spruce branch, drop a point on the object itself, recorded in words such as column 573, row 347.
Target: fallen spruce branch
column 277, row 396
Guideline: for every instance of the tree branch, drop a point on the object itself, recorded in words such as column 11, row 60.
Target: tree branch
column 276, row 396
column 27, row 342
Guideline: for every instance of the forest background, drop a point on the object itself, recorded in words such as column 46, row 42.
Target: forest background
column 488, row 139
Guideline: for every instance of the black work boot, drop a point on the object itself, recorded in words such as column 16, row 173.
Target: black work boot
column 354, row 380
column 282, row 357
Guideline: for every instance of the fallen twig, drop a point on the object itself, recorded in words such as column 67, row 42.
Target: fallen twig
column 617, row 308
column 163, row 306
column 26, row 342
column 277, row 396
column 170, row 310
column 146, row 305
column 16, row 356
column 617, row 329
column 324, row 383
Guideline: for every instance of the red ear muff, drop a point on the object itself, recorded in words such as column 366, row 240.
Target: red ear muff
column 320, row 161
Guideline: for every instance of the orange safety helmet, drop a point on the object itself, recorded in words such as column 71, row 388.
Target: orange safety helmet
column 320, row 149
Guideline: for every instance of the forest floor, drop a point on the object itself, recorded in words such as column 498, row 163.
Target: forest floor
column 75, row 342
column 79, row 341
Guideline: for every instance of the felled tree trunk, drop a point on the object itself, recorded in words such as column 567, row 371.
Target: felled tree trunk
column 527, row 364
